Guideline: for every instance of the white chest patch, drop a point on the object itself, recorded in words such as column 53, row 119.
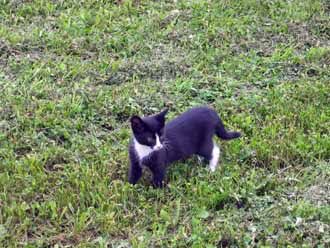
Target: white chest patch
column 142, row 150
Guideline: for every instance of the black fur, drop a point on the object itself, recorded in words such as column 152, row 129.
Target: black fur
column 190, row 133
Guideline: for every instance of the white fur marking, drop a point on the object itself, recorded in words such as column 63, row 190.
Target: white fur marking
column 158, row 144
column 215, row 157
column 141, row 150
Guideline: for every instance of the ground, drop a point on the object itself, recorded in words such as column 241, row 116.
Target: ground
column 73, row 72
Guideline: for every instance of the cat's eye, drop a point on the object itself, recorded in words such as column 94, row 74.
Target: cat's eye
column 150, row 140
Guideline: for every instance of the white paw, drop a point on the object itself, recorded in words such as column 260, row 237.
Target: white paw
column 213, row 168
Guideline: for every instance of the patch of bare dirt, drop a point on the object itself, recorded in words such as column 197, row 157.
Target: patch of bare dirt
column 302, row 35
column 318, row 194
column 164, row 63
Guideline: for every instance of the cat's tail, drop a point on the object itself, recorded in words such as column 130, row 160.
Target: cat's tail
column 222, row 133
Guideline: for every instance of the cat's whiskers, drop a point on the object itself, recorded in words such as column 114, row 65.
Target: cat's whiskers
column 166, row 145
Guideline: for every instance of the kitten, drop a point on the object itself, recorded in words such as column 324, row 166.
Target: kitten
column 156, row 145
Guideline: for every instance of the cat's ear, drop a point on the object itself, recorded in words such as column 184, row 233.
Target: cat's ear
column 161, row 116
column 137, row 124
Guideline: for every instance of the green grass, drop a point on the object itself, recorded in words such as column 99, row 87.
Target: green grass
column 73, row 72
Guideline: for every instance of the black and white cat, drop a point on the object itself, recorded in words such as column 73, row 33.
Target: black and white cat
column 156, row 145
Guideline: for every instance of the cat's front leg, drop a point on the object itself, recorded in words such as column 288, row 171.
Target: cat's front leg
column 158, row 168
column 156, row 163
column 135, row 171
column 159, row 172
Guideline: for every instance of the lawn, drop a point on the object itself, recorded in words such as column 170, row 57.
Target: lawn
column 73, row 72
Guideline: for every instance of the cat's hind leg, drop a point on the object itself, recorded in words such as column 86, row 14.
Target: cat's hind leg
column 211, row 152
column 215, row 157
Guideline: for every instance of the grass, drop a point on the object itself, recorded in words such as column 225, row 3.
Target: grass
column 73, row 72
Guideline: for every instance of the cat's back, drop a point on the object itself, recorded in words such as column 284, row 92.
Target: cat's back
column 197, row 119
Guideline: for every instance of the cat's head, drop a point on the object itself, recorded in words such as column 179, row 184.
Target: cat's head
column 149, row 130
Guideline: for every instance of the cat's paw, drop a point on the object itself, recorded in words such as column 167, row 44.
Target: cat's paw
column 213, row 168
column 159, row 184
